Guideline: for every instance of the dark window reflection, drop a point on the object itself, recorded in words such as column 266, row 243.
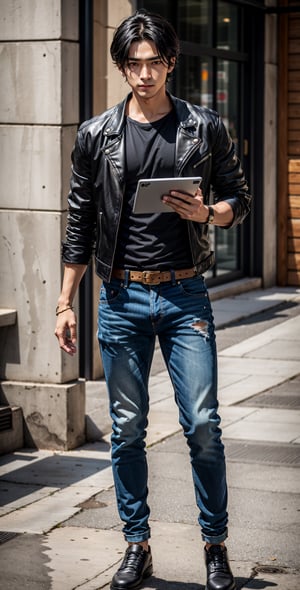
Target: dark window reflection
column 193, row 21
column 227, row 96
column 228, row 26
column 194, row 80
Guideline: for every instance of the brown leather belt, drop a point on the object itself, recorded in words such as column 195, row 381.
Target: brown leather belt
column 154, row 277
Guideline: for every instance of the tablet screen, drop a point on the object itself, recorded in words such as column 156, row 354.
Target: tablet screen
column 148, row 196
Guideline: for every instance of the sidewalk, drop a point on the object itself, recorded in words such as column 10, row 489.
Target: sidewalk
column 60, row 528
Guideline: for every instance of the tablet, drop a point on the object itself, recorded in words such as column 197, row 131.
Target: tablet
column 149, row 192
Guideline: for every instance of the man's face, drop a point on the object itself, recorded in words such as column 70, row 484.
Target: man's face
column 145, row 71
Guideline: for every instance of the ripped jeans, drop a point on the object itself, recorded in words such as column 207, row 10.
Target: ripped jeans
column 179, row 314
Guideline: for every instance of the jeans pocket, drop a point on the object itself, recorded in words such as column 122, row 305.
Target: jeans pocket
column 110, row 293
column 194, row 287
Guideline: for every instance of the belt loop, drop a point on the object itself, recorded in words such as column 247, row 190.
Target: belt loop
column 126, row 278
column 173, row 277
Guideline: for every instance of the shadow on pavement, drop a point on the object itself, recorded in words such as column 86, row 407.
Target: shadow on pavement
column 58, row 471
column 251, row 584
column 254, row 584
column 160, row 584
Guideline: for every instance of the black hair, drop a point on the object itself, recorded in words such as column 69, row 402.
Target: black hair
column 144, row 26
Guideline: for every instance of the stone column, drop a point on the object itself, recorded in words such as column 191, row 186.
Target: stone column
column 39, row 112
column 270, row 150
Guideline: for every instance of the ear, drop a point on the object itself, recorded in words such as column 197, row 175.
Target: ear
column 172, row 65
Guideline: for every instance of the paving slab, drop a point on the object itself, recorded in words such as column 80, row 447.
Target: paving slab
column 160, row 387
column 16, row 495
column 284, row 370
column 242, row 378
column 98, row 512
column 248, row 429
column 264, row 424
column 14, row 462
column 259, row 367
column 244, row 387
column 277, row 349
column 163, row 420
column 232, row 414
column 285, row 480
column 43, row 515
column 275, row 415
column 277, row 578
column 286, row 395
column 78, row 555
column 285, row 333
column 274, row 294
column 233, row 309
column 57, row 470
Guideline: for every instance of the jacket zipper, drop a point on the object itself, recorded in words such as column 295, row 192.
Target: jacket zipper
column 202, row 160
column 119, row 221
column 188, row 155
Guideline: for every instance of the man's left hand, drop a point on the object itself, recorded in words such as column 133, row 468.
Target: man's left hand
column 188, row 206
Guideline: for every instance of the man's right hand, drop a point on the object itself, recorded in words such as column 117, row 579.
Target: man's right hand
column 66, row 331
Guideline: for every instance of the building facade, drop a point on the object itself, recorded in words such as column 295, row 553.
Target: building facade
column 288, row 214
column 241, row 58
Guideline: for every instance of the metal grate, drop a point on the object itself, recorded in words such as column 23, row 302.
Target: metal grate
column 268, row 453
column 5, row 418
column 274, row 399
column 7, row 536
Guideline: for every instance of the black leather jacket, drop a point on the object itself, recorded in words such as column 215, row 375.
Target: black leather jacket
column 203, row 148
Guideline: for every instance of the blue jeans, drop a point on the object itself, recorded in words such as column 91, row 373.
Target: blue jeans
column 179, row 314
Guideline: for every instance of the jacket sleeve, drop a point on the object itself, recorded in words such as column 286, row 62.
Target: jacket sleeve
column 228, row 180
column 81, row 222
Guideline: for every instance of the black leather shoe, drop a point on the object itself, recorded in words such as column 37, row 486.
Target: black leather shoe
column 219, row 574
column 136, row 565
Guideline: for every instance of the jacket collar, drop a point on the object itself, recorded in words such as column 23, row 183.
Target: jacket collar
column 116, row 120
column 185, row 112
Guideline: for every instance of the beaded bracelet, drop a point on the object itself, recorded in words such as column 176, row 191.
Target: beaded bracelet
column 57, row 312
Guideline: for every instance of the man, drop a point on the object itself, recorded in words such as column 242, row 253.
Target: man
column 152, row 266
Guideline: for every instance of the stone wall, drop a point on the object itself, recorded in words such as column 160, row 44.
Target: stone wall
column 39, row 113
column 39, row 116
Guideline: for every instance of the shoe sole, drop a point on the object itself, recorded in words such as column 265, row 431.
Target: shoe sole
column 147, row 573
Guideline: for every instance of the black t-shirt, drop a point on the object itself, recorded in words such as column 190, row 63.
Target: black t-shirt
column 159, row 240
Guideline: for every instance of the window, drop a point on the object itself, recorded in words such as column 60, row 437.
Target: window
column 228, row 29
column 193, row 21
column 211, row 72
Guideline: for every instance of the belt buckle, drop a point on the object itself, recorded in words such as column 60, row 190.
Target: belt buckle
column 151, row 277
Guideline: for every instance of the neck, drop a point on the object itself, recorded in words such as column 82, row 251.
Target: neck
column 148, row 110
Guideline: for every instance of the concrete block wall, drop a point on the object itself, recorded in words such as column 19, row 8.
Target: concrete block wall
column 54, row 415
column 117, row 87
column 109, row 86
column 39, row 114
